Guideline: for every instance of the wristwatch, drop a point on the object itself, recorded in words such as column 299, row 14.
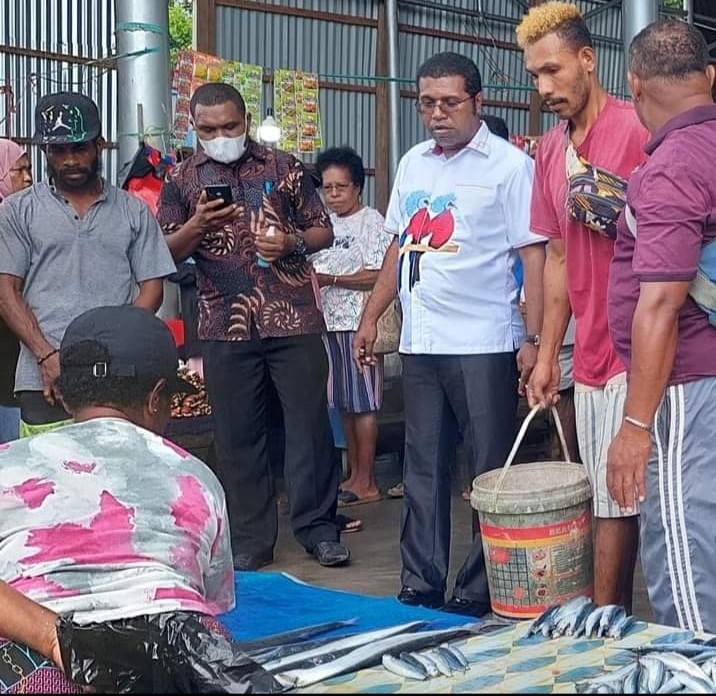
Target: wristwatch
column 300, row 248
column 533, row 339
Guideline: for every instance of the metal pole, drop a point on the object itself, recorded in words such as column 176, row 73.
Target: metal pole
column 391, row 11
column 144, row 104
column 689, row 9
column 636, row 14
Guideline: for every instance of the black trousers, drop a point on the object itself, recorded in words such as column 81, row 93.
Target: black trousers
column 478, row 393
column 235, row 374
column 34, row 410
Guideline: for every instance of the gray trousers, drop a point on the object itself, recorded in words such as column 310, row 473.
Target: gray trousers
column 478, row 394
column 678, row 517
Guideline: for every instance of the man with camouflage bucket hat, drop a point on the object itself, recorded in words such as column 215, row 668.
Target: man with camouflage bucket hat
column 69, row 244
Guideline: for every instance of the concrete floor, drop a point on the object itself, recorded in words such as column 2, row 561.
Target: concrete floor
column 375, row 565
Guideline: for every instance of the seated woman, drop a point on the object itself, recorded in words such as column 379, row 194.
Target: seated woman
column 103, row 519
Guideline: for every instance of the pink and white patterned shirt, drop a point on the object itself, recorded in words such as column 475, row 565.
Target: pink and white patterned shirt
column 108, row 520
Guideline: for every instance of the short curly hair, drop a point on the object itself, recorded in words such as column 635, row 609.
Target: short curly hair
column 346, row 157
column 561, row 18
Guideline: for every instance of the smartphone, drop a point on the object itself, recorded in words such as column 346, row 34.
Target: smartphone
column 215, row 192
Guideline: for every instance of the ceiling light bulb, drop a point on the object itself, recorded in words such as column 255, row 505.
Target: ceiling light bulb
column 269, row 131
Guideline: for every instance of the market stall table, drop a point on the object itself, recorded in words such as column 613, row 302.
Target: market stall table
column 502, row 661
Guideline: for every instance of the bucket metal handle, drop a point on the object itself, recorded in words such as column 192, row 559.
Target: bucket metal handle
column 520, row 437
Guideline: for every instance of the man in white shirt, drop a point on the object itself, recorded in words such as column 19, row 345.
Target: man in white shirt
column 459, row 213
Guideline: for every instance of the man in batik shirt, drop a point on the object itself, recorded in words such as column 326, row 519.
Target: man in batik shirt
column 258, row 320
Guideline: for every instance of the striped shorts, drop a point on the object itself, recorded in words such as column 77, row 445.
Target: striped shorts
column 679, row 513
column 348, row 389
column 599, row 412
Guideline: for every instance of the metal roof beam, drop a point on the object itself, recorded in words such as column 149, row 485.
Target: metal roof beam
column 599, row 10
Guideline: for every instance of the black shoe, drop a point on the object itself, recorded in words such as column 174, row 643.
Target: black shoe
column 431, row 599
column 331, row 553
column 456, row 605
column 252, row 561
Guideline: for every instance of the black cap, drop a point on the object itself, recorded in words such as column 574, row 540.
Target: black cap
column 66, row 117
column 137, row 343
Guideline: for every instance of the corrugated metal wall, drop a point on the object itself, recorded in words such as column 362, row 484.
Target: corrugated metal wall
column 344, row 52
column 45, row 46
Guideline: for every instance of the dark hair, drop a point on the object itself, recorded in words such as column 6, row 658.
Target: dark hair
column 496, row 125
column 448, row 64
column 213, row 93
column 668, row 48
column 575, row 33
column 79, row 388
column 343, row 156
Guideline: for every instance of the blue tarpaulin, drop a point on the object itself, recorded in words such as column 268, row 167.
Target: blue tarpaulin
column 269, row 602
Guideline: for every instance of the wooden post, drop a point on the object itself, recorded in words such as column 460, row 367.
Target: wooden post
column 535, row 120
column 205, row 18
column 382, row 115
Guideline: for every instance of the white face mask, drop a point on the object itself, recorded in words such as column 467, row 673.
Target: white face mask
column 223, row 149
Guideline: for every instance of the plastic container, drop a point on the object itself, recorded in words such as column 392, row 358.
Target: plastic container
column 536, row 527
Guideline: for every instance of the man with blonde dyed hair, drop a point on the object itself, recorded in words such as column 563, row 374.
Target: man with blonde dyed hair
column 580, row 171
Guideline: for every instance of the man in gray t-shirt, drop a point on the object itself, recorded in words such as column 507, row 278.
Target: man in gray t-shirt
column 68, row 245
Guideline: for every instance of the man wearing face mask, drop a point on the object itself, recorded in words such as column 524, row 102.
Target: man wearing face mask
column 68, row 245
column 258, row 319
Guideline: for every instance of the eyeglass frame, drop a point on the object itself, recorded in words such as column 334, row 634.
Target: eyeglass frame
column 338, row 187
column 440, row 104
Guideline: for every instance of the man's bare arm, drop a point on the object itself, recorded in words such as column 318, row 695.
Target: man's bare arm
column 19, row 317
column 151, row 294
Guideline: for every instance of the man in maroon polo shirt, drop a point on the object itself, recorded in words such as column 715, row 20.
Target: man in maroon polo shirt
column 663, row 454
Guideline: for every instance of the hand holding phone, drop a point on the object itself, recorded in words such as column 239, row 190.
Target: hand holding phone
column 215, row 192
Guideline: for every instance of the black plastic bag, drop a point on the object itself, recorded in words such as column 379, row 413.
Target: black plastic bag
column 173, row 652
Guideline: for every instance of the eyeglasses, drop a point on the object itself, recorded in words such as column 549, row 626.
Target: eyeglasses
column 447, row 106
column 338, row 187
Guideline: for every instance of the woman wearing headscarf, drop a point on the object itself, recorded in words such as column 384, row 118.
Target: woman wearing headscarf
column 15, row 175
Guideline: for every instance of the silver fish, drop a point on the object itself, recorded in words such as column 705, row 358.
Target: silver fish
column 543, row 622
column 401, row 668
column 459, row 654
column 654, row 673
column 369, row 654
column 592, row 623
column 694, row 685
column 631, row 682
column 430, row 667
column 451, row 659
column 288, row 649
column 567, row 614
column 671, row 686
column 620, row 628
column 609, row 614
column 415, row 664
column 441, row 663
column 577, row 627
column 613, row 679
column 679, row 663
column 341, row 644
column 690, row 650
column 276, row 639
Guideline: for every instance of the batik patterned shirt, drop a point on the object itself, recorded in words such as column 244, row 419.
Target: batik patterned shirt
column 233, row 289
column 107, row 520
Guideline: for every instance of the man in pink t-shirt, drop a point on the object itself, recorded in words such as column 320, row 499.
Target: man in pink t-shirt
column 596, row 130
